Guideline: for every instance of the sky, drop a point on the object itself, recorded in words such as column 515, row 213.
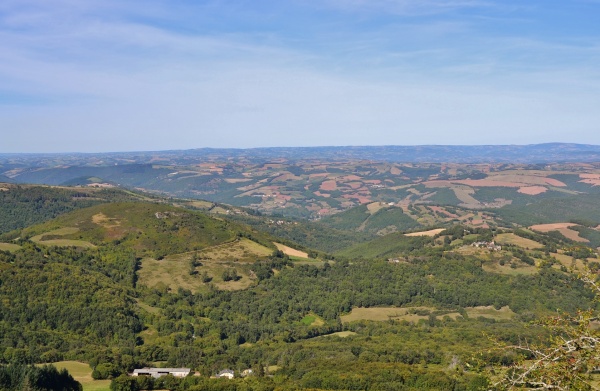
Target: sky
column 123, row 75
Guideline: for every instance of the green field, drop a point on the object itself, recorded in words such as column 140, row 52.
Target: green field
column 174, row 271
column 83, row 374
column 56, row 241
column 504, row 313
column 9, row 247
column 312, row 320
column 380, row 314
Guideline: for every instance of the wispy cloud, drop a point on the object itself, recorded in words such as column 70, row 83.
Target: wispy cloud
column 112, row 75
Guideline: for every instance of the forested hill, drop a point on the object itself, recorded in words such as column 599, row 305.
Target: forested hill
column 25, row 205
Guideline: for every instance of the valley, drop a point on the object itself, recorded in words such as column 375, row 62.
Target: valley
column 397, row 283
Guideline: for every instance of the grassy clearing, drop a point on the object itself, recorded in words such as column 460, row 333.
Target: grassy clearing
column 150, row 335
column 464, row 194
column 290, row 251
column 431, row 232
column 504, row 313
column 243, row 250
column 146, row 307
column 67, row 243
column 410, row 314
column 83, row 374
column 568, row 262
column 9, row 247
column 173, row 272
column 51, row 238
column 506, row 269
column 200, row 204
column 340, row 334
column 513, row 239
column 312, row 320
column 374, row 207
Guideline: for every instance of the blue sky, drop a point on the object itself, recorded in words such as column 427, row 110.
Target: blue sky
column 108, row 75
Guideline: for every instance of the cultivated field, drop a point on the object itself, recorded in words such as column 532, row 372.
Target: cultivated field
column 563, row 228
column 431, row 232
column 290, row 251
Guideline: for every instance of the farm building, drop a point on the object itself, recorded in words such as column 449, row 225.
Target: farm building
column 158, row 372
column 226, row 373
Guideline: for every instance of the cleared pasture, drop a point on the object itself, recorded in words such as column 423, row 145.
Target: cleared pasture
column 504, row 313
column 563, row 228
column 339, row 334
column 242, row 250
column 506, row 269
column 312, row 320
column 381, row 314
column 173, row 272
column 52, row 238
column 67, row 243
column 83, row 374
column 9, row 247
column 568, row 262
column 290, row 251
column 431, row 232
column 510, row 238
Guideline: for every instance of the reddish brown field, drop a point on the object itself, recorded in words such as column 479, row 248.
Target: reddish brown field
column 443, row 211
column 488, row 183
column 328, row 185
column 319, row 194
column 563, row 228
column 532, row 190
column 591, row 179
column 551, row 227
column 354, row 185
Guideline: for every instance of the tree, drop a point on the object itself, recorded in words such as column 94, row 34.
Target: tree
column 566, row 364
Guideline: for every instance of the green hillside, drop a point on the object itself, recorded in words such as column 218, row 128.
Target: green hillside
column 25, row 205
column 122, row 285
column 146, row 228
column 371, row 220
column 551, row 210
column 387, row 246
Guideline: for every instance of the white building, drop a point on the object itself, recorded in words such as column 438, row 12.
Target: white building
column 158, row 372
column 226, row 373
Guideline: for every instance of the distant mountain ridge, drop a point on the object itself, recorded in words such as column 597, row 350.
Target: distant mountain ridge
column 529, row 154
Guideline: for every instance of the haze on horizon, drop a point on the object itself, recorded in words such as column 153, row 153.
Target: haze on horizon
column 111, row 75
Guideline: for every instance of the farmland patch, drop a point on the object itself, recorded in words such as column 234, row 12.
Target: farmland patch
column 510, row 238
column 291, row 251
column 504, row 313
column 9, row 247
column 431, row 232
